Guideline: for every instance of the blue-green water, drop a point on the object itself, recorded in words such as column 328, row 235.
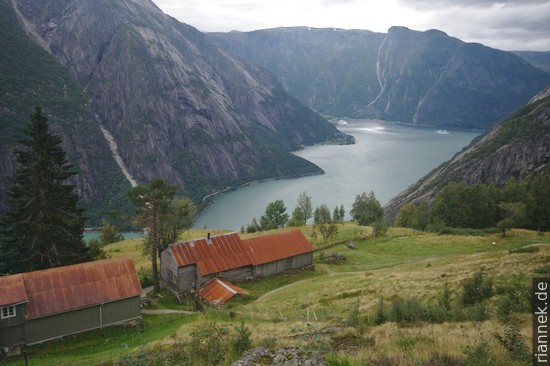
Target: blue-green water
column 387, row 158
column 89, row 235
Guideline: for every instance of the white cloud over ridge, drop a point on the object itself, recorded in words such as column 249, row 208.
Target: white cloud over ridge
column 505, row 24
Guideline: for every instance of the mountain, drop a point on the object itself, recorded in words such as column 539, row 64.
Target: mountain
column 172, row 103
column 30, row 76
column 537, row 59
column 518, row 147
column 426, row 78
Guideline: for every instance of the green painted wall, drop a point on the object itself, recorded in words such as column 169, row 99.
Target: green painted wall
column 12, row 330
column 55, row 326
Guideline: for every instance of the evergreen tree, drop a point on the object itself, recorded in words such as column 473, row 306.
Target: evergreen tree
column 162, row 215
column 43, row 226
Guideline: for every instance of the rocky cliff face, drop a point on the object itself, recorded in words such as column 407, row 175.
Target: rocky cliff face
column 426, row 78
column 29, row 77
column 518, row 147
column 176, row 104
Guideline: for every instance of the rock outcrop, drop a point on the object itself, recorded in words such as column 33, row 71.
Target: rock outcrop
column 518, row 147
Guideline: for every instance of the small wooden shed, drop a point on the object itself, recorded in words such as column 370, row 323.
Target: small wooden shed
column 43, row 305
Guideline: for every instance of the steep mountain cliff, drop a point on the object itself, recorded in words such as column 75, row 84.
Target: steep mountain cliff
column 29, row 77
column 175, row 104
column 426, row 78
column 518, row 147
column 332, row 71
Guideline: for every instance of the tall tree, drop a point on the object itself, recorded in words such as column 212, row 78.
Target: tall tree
column 162, row 216
column 43, row 226
column 366, row 209
column 322, row 215
column 302, row 212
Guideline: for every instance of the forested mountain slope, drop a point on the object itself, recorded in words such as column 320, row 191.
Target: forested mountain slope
column 518, row 147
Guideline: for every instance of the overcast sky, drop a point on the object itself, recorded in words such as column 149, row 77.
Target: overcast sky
column 506, row 25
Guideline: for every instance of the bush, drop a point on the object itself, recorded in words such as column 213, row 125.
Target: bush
column 514, row 342
column 524, row 250
column 476, row 289
column 514, row 298
column 241, row 343
column 477, row 354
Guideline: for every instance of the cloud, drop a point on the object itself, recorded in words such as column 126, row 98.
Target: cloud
column 522, row 26
column 442, row 4
column 505, row 24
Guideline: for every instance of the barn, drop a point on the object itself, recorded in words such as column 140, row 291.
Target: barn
column 188, row 266
column 277, row 253
column 39, row 306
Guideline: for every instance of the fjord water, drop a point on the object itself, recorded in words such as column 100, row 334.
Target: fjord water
column 386, row 158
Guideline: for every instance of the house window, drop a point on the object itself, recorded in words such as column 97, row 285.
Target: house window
column 8, row 312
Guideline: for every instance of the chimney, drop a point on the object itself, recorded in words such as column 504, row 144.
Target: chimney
column 208, row 240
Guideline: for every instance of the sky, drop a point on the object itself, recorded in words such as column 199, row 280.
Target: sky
column 510, row 25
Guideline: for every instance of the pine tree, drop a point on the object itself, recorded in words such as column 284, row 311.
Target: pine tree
column 152, row 202
column 43, row 226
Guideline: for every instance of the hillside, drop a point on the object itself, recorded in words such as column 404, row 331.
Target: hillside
column 333, row 309
column 537, row 59
column 29, row 77
column 518, row 147
column 177, row 106
column 426, row 78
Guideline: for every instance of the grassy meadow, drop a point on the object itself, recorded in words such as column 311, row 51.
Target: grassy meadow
column 337, row 306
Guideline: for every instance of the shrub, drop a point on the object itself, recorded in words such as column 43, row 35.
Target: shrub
column 524, row 250
column 241, row 343
column 477, row 354
column 476, row 289
column 380, row 316
column 514, row 342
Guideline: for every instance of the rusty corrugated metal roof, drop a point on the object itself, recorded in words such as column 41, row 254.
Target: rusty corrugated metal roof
column 223, row 253
column 81, row 285
column 269, row 248
column 218, row 291
column 12, row 290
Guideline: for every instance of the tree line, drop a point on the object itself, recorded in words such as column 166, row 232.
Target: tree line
column 481, row 206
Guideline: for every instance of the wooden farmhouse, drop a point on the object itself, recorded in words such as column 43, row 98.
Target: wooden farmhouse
column 188, row 266
column 43, row 305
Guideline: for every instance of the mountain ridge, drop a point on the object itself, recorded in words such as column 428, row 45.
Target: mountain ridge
column 176, row 104
column 425, row 78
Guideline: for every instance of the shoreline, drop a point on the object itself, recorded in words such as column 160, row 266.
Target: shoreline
column 207, row 200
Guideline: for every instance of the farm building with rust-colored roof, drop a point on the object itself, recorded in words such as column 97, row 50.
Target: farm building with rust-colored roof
column 187, row 266
column 52, row 303
column 272, row 254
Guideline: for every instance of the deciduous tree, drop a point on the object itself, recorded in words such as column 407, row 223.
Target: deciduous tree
column 366, row 209
column 275, row 216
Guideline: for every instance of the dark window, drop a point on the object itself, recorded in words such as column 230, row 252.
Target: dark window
column 8, row 312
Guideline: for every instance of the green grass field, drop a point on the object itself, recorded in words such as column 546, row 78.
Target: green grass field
column 400, row 265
